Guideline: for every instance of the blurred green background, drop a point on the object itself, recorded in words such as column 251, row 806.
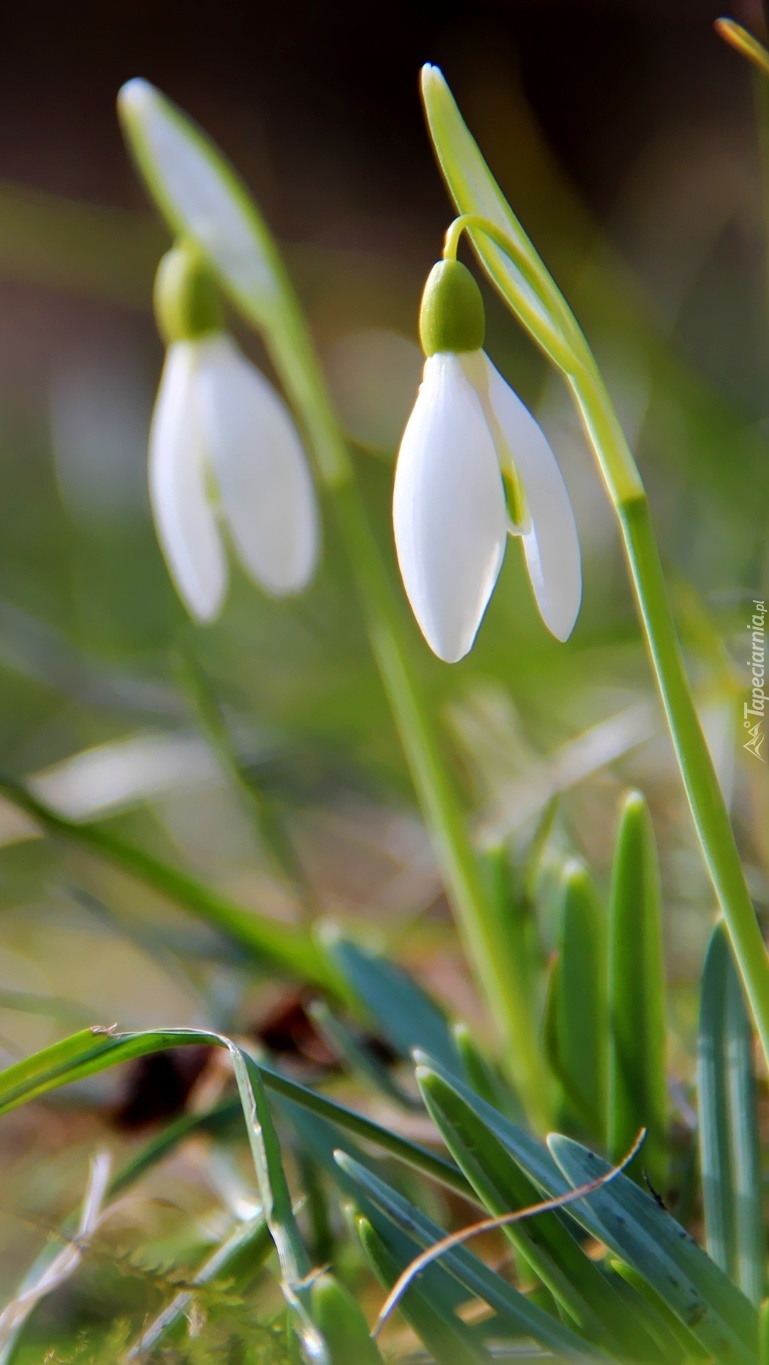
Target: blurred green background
column 625, row 136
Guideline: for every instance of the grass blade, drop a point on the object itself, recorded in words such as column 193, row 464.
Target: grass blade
column 277, row 944
column 446, row 1337
column 342, row 1323
column 401, row 1010
column 642, row 1233
column 580, row 1003
column 641, row 1222
column 637, row 1086
column 95, row 1049
column 522, row 1315
column 730, row 1155
column 578, row 1285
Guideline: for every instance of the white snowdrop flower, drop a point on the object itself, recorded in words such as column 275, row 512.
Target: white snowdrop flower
column 473, row 468
column 225, row 458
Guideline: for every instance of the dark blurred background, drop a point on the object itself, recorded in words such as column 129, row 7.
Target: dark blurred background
column 323, row 98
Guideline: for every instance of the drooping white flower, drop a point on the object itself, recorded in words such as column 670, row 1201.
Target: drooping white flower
column 469, row 436
column 226, row 462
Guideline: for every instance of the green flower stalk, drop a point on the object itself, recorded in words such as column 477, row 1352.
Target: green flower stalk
column 205, row 203
column 512, row 263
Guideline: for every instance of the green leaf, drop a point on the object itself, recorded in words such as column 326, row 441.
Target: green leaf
column 471, row 184
column 359, row 1060
column 268, row 940
column 342, row 1323
column 402, row 1012
column 445, row 1337
column 513, row 1307
column 637, row 1078
column 93, row 1050
column 763, row 1334
column 642, row 1233
column 730, row 1154
column 481, row 1075
column 546, row 1242
column 579, row 1000
column 200, row 195
column 642, row 1224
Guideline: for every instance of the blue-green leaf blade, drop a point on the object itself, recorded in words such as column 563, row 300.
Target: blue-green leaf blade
column 645, row 1235
column 637, row 1074
column 730, row 1154
column 523, row 1315
column 401, row 1010
column 579, row 999
column 446, row 1337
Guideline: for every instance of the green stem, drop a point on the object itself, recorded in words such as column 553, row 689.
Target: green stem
column 539, row 303
column 485, row 941
column 706, row 801
column 628, row 497
column 277, row 944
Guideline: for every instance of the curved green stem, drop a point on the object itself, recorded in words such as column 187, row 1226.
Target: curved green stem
column 627, row 494
column 706, row 801
column 489, row 951
column 542, row 300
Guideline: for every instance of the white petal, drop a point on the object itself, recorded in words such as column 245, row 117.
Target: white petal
column 264, row 482
column 185, row 522
column 449, row 509
column 551, row 544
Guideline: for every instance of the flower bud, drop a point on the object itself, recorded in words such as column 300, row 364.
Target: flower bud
column 452, row 316
column 186, row 300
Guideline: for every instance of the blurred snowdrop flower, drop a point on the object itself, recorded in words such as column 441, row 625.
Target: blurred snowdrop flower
column 474, row 467
column 225, row 457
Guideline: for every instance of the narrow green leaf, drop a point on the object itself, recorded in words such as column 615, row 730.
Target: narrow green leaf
column 639, row 1219
column 342, row 1323
column 637, row 1084
column 579, row 1000
column 730, row 1153
column 446, row 1338
column 642, row 1233
column 404, row 1014
column 359, row 1060
column 514, row 1308
column 200, row 194
column 546, row 1242
column 277, row 944
column 682, row 1346
column 763, row 1333
column 93, row 1050
column 271, row 1177
column 481, row 1075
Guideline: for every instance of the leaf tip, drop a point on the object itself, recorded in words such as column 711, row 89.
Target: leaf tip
column 135, row 97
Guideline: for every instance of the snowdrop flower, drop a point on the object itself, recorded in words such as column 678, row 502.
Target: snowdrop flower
column 225, row 458
column 473, row 468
